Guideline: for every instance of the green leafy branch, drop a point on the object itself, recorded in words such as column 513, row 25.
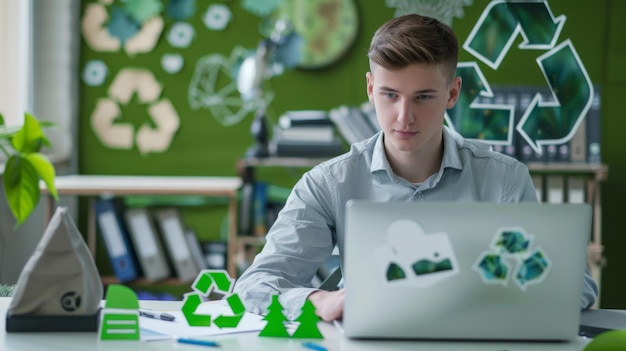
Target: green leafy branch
column 25, row 165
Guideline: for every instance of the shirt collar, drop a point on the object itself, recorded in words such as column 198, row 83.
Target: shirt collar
column 379, row 158
column 451, row 158
column 451, row 142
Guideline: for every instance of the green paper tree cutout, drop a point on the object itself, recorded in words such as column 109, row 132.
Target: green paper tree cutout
column 275, row 318
column 308, row 323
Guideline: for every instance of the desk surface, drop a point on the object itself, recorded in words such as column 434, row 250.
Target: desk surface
column 155, row 185
column 333, row 340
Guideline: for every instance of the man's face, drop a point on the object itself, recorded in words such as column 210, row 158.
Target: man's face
column 410, row 106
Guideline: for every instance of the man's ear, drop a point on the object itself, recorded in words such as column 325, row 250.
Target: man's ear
column 454, row 91
column 370, row 86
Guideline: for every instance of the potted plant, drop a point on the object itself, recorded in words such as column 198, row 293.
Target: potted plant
column 25, row 165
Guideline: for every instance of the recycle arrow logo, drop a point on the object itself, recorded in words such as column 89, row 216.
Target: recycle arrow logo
column 212, row 280
column 543, row 122
column 475, row 120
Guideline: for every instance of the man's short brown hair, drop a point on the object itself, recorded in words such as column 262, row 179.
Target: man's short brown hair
column 412, row 38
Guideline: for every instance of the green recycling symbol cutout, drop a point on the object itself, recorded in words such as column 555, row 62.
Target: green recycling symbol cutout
column 543, row 122
column 207, row 281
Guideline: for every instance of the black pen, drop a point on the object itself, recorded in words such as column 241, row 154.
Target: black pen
column 156, row 315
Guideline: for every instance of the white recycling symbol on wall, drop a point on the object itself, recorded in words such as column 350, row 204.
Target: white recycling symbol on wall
column 107, row 121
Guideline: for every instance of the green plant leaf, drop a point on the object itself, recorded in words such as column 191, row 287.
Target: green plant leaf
column 45, row 169
column 31, row 137
column 21, row 187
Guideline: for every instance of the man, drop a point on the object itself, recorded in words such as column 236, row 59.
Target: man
column 414, row 158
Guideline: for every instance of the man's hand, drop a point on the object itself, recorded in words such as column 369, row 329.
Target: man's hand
column 328, row 304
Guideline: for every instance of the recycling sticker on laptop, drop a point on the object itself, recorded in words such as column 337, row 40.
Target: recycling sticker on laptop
column 415, row 258
column 511, row 256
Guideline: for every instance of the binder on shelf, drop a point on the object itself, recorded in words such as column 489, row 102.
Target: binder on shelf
column 196, row 251
column 578, row 144
column 593, row 129
column 576, row 190
column 147, row 245
column 260, row 208
column 539, row 184
column 245, row 208
column 176, row 244
column 109, row 217
column 555, row 186
column 215, row 254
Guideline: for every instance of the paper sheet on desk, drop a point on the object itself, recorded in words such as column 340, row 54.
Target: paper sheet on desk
column 155, row 329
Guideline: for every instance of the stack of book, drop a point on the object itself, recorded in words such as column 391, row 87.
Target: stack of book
column 305, row 134
column 355, row 123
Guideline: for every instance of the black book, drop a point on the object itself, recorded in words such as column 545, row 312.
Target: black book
column 304, row 118
column 288, row 148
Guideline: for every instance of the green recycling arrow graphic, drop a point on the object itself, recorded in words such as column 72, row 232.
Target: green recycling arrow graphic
column 543, row 122
column 238, row 310
column 217, row 279
column 191, row 301
column 207, row 281
column 501, row 21
column 556, row 122
column 475, row 120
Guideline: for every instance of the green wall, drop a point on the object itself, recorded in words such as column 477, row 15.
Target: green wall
column 204, row 147
column 613, row 127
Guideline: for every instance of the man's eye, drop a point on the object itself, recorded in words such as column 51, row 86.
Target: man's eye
column 423, row 97
column 389, row 95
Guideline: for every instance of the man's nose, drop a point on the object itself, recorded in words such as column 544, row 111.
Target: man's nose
column 406, row 113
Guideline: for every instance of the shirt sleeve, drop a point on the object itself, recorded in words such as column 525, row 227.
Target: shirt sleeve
column 299, row 241
column 590, row 291
column 520, row 186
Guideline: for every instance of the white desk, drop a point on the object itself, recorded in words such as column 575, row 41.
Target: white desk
column 333, row 341
column 97, row 185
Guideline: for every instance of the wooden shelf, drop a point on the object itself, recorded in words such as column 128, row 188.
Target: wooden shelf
column 598, row 170
column 93, row 186
column 279, row 162
column 108, row 280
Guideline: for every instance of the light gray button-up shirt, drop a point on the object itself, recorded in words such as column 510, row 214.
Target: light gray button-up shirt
column 312, row 220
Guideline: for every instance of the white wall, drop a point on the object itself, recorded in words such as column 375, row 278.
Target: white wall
column 39, row 50
column 14, row 60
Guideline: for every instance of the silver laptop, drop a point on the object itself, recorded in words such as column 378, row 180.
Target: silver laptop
column 481, row 271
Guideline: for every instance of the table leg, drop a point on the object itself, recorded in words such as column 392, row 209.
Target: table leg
column 232, row 236
column 91, row 227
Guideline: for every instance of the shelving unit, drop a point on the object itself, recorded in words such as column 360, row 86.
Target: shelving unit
column 591, row 175
column 94, row 186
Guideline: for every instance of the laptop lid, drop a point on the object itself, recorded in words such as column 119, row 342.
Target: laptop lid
column 416, row 270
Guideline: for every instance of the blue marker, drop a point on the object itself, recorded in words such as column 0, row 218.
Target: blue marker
column 198, row 342
column 313, row 346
